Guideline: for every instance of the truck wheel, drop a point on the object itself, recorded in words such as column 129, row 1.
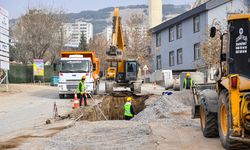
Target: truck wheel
column 224, row 124
column 209, row 125
column 61, row 96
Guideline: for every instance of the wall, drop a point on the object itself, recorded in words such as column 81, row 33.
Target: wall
column 220, row 13
column 189, row 38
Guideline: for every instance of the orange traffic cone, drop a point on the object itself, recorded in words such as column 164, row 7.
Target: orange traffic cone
column 76, row 102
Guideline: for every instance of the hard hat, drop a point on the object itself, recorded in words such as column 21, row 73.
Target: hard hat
column 129, row 99
column 188, row 74
column 83, row 77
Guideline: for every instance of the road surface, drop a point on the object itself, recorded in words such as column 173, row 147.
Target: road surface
column 27, row 106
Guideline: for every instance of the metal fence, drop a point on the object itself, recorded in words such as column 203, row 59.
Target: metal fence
column 19, row 73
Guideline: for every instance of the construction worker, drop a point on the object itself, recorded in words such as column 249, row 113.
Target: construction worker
column 81, row 91
column 128, row 109
column 188, row 82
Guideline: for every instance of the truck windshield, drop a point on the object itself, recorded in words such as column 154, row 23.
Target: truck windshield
column 74, row 66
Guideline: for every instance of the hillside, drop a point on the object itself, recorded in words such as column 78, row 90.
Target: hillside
column 102, row 18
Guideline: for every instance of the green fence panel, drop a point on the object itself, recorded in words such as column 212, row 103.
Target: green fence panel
column 19, row 73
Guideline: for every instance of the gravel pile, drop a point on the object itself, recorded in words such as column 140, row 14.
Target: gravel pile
column 171, row 108
column 98, row 135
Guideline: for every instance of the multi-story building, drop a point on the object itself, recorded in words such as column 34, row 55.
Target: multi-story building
column 177, row 42
column 74, row 31
column 108, row 32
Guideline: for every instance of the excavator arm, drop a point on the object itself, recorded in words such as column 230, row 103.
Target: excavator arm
column 117, row 46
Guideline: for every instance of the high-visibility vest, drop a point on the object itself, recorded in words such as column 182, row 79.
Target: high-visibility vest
column 127, row 109
column 80, row 88
column 185, row 83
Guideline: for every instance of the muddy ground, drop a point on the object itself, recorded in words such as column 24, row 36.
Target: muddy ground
column 165, row 123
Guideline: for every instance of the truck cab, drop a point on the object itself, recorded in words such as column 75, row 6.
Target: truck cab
column 71, row 70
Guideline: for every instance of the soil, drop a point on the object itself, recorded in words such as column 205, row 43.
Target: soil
column 165, row 123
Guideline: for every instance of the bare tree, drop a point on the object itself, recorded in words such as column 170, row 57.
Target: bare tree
column 38, row 35
column 210, row 48
column 99, row 44
column 138, row 39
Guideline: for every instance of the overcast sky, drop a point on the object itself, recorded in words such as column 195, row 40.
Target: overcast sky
column 18, row 7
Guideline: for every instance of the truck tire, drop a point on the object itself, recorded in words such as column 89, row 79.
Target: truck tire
column 61, row 96
column 109, row 87
column 208, row 119
column 224, row 124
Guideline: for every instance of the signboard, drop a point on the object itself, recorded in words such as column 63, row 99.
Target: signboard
column 38, row 67
column 4, row 39
column 4, row 22
column 4, row 65
column 4, row 12
column 4, row 47
column 145, row 68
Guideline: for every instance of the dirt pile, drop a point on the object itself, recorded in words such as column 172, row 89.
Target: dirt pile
column 99, row 135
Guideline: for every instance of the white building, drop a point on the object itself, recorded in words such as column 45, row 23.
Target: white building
column 4, row 39
column 108, row 32
column 176, row 42
column 73, row 32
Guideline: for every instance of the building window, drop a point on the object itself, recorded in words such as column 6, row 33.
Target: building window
column 197, row 53
column 158, row 62
column 171, row 34
column 171, row 58
column 179, row 56
column 158, row 39
column 179, row 31
column 196, row 24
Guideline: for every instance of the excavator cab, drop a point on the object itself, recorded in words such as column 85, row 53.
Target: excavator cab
column 127, row 71
column 239, row 52
column 132, row 70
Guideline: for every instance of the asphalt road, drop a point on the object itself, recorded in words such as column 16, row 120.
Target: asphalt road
column 27, row 106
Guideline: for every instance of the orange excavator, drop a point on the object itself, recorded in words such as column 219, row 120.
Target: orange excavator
column 126, row 70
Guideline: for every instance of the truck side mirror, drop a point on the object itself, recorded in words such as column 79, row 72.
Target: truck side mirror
column 212, row 32
column 55, row 66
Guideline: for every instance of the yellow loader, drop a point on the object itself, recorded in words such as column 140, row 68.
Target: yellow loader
column 224, row 107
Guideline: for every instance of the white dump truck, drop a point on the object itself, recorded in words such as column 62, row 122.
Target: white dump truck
column 74, row 65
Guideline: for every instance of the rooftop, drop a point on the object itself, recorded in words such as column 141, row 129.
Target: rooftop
column 191, row 13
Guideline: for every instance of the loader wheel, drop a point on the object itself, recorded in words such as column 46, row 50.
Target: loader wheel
column 209, row 124
column 224, row 124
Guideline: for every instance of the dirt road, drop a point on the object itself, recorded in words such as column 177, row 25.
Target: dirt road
column 26, row 106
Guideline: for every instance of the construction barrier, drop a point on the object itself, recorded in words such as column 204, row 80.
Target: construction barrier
column 20, row 73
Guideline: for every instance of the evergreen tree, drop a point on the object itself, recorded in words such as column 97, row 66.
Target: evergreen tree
column 83, row 43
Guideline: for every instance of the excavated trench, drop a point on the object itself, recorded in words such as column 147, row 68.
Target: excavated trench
column 112, row 107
